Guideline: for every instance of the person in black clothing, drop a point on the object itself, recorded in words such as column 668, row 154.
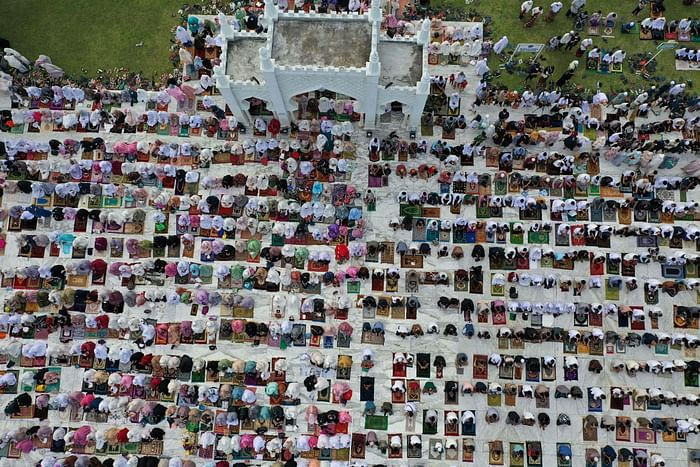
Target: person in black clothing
column 563, row 79
column 573, row 42
column 658, row 8
column 640, row 6
column 533, row 71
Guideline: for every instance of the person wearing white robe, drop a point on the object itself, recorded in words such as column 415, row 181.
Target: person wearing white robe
column 445, row 48
column 184, row 36
column 684, row 25
column 600, row 98
column 465, row 56
column 453, row 102
column 640, row 99
column 618, row 56
column 677, row 89
column 500, row 46
column 482, row 68
column 658, row 24
column 205, row 82
column 475, row 49
column 185, row 56
column 585, row 44
column 476, row 32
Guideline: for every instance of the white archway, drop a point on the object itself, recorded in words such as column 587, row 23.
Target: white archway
column 296, row 103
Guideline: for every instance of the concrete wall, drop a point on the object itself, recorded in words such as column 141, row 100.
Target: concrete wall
column 282, row 83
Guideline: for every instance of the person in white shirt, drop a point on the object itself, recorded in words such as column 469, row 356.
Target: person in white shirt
column 618, row 56
column 600, row 98
column 646, row 24
column 684, row 25
column 481, row 68
column 205, row 82
column 500, row 46
column 658, row 24
column 460, row 81
column 324, row 105
column 576, row 5
column 611, row 19
column 677, row 89
column 475, row 49
column 583, row 46
column 566, row 38
column 476, row 32
column 554, row 9
column 640, row 99
column 184, row 36
column 534, row 14
column 525, row 8
column 614, row 138
column 553, row 42
column 453, row 102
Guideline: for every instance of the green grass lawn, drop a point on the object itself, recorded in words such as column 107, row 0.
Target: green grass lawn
column 505, row 21
column 93, row 34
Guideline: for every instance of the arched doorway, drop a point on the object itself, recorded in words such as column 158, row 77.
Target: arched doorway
column 393, row 112
column 258, row 107
column 324, row 104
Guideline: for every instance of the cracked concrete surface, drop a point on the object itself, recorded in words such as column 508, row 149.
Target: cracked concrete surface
column 402, row 63
column 243, row 59
column 322, row 43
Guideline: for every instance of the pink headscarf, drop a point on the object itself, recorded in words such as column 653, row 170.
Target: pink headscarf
column 81, row 434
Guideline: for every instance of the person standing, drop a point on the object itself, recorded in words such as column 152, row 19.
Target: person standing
column 677, row 89
column 640, row 6
column 535, row 13
column 583, row 46
column 618, row 56
column 525, row 8
column 544, row 77
column 575, row 39
column 500, row 46
column 554, row 9
column 566, row 38
column 564, row 78
column 481, row 68
column 576, row 5
column 553, row 42
column 533, row 71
